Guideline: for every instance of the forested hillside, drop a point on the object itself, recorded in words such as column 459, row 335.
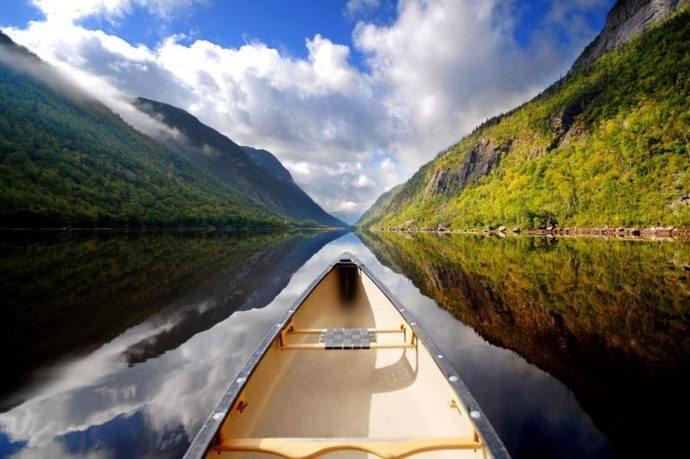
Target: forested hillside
column 607, row 145
column 66, row 159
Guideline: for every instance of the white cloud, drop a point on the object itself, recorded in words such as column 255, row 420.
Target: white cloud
column 300, row 168
column 69, row 11
column 363, row 181
column 346, row 206
column 448, row 66
column 355, row 7
column 435, row 72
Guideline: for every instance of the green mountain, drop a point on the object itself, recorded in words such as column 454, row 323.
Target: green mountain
column 256, row 173
column 606, row 145
column 66, row 159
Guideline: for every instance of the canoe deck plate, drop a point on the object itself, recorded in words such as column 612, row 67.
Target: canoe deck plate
column 347, row 338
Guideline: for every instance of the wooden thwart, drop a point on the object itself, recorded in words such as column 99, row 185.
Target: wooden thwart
column 318, row 331
column 322, row 346
column 313, row 447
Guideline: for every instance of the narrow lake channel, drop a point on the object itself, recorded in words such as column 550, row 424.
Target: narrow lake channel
column 120, row 344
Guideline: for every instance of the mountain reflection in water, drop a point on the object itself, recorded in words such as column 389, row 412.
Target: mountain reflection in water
column 123, row 343
column 608, row 318
column 65, row 293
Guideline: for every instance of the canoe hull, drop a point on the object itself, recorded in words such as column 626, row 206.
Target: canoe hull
column 347, row 371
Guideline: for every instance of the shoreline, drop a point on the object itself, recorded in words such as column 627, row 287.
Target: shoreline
column 153, row 229
column 651, row 233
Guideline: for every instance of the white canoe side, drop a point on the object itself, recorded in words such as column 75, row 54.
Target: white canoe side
column 389, row 393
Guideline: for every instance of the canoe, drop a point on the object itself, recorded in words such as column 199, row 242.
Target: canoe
column 347, row 372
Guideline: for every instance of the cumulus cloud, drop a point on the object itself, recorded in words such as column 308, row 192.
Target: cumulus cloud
column 346, row 133
column 451, row 64
column 360, row 180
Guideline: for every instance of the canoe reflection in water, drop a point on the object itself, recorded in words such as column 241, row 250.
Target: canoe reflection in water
column 347, row 371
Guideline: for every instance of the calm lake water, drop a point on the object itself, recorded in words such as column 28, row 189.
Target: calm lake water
column 120, row 344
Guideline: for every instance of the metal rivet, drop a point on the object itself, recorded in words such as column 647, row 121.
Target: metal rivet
column 440, row 356
column 453, row 378
column 474, row 414
column 413, row 323
column 217, row 416
column 402, row 309
column 240, row 380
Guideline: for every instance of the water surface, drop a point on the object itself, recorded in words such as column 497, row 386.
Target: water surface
column 121, row 344
column 608, row 320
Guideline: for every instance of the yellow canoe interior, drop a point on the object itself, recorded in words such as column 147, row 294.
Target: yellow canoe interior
column 390, row 400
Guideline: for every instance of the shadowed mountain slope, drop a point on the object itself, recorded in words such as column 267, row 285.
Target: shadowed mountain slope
column 256, row 173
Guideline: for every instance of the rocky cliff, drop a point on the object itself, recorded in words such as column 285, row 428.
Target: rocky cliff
column 480, row 161
column 625, row 20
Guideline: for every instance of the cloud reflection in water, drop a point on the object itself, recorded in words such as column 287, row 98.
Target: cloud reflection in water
column 99, row 405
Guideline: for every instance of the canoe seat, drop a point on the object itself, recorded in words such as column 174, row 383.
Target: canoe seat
column 347, row 338
column 313, row 447
column 343, row 338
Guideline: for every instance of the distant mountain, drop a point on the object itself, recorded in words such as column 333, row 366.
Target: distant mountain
column 626, row 19
column 381, row 206
column 256, row 173
column 66, row 159
column 607, row 145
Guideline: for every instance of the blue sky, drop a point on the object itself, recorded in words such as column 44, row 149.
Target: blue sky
column 281, row 24
column 351, row 95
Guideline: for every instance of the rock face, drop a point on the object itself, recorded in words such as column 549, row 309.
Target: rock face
column 480, row 160
column 624, row 21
